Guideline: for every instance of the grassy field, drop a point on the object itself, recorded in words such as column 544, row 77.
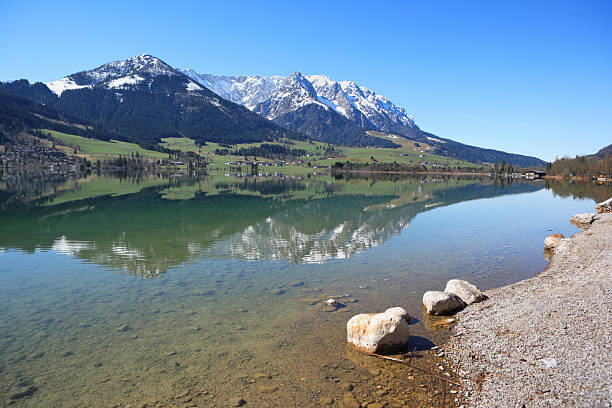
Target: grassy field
column 99, row 149
column 180, row 143
column 409, row 153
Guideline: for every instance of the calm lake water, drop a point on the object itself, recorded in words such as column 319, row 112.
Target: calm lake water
column 172, row 292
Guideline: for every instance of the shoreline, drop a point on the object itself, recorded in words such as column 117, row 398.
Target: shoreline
column 544, row 341
column 450, row 173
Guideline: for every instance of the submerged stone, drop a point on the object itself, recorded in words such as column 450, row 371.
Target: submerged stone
column 25, row 392
column 236, row 402
column 267, row 389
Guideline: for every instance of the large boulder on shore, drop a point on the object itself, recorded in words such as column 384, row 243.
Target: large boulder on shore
column 551, row 241
column 583, row 221
column 604, row 206
column 379, row 332
column 467, row 292
column 441, row 303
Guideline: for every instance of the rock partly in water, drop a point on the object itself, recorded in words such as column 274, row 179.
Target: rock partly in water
column 604, row 206
column 551, row 241
column 379, row 332
column 467, row 292
column 440, row 303
column 583, row 221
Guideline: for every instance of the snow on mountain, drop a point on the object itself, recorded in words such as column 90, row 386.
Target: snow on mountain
column 276, row 95
column 122, row 82
column 139, row 70
column 292, row 93
column 244, row 90
column 64, row 84
column 377, row 108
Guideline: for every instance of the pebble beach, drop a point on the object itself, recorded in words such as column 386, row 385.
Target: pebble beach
column 544, row 341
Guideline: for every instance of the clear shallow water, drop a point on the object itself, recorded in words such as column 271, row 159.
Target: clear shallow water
column 208, row 290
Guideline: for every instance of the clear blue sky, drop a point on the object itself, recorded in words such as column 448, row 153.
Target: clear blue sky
column 531, row 77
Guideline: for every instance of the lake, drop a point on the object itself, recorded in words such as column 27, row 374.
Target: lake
column 170, row 291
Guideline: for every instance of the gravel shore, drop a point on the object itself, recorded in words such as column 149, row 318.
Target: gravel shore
column 544, row 341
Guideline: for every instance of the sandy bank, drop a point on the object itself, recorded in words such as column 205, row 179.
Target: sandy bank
column 544, row 341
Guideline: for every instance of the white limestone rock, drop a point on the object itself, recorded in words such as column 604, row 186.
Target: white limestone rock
column 379, row 332
column 440, row 303
column 551, row 241
column 583, row 221
column 604, row 206
column 467, row 292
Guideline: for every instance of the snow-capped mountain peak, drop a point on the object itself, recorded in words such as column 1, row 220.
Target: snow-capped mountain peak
column 275, row 96
column 120, row 75
column 244, row 90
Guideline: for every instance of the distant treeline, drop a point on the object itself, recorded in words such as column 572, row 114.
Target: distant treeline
column 265, row 150
column 397, row 167
column 591, row 165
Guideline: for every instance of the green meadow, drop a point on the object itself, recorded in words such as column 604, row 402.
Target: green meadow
column 99, row 149
column 407, row 154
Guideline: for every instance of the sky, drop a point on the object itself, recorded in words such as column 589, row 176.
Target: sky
column 529, row 77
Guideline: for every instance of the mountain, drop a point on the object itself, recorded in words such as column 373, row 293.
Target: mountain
column 604, row 151
column 143, row 99
column 291, row 102
column 328, row 110
column 19, row 114
column 357, row 104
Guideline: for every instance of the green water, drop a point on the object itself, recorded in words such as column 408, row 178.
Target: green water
column 173, row 292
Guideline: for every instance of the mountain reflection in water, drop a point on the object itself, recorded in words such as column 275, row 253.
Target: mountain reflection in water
column 145, row 234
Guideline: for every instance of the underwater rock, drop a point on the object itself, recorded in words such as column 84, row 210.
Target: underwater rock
column 439, row 303
column 236, row 402
column 123, row 328
column 379, row 332
column 25, row 392
column 267, row 389
column 464, row 290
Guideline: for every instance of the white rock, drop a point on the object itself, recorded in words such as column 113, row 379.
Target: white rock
column 583, row 221
column 464, row 290
column 551, row 241
column 604, row 206
column 438, row 303
column 379, row 332
column 549, row 362
column 331, row 302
